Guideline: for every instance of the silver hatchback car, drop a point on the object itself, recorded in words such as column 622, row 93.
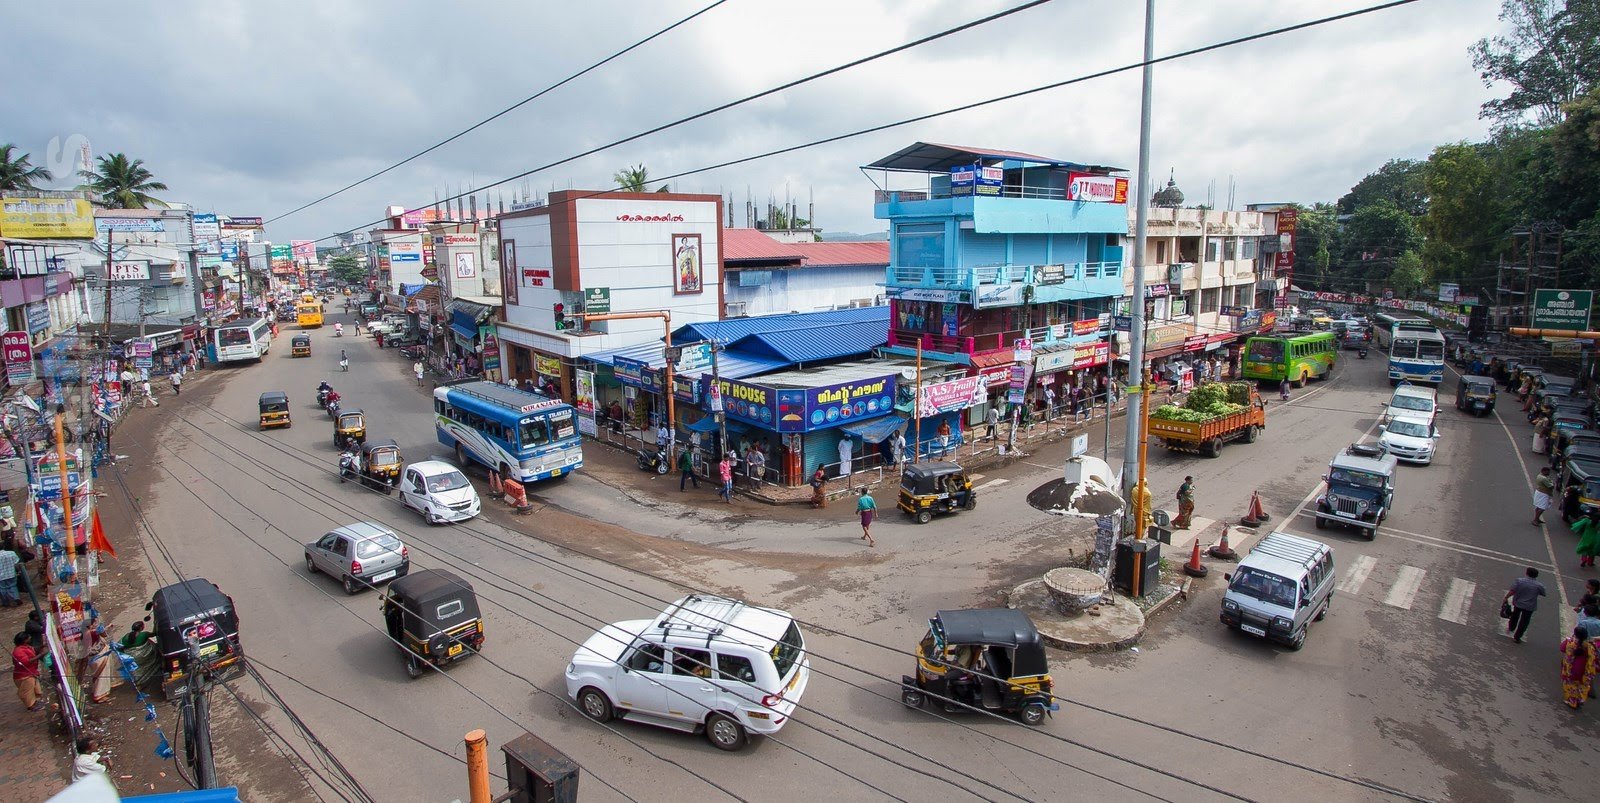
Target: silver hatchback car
column 360, row 555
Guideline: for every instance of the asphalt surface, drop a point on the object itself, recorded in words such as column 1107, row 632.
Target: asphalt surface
column 1406, row 686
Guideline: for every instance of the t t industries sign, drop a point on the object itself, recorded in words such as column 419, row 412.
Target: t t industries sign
column 1567, row 310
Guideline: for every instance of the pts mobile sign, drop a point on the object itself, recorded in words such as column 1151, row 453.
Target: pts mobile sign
column 1567, row 310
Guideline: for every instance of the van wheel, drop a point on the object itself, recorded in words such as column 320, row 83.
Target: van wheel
column 594, row 704
column 311, row 565
column 461, row 458
column 724, row 733
column 1032, row 714
column 924, row 516
column 1251, row 433
column 912, row 698
column 1326, row 606
column 1298, row 641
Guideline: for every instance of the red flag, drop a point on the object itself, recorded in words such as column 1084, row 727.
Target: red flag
column 97, row 536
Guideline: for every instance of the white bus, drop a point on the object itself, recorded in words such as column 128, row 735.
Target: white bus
column 1387, row 324
column 243, row 341
column 1416, row 356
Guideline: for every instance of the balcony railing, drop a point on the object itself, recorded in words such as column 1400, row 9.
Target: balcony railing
column 977, row 344
column 1006, row 191
column 969, row 278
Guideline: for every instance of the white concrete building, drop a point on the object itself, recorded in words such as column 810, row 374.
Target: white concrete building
column 768, row 276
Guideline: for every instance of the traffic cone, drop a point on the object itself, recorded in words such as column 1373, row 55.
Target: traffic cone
column 1221, row 550
column 496, row 488
column 1193, row 567
column 1254, row 516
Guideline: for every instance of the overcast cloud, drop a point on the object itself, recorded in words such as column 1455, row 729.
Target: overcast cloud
column 250, row 108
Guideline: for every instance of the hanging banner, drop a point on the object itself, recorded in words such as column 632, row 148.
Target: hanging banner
column 958, row 394
column 583, row 400
column 549, row 366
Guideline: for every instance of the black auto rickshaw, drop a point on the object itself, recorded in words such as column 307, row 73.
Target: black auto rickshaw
column 300, row 346
column 936, row 487
column 433, row 615
column 274, row 409
column 1476, row 394
column 196, row 630
column 990, row 659
column 380, row 464
column 349, row 428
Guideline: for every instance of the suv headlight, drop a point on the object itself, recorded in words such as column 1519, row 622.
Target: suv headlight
column 1282, row 623
column 1230, row 605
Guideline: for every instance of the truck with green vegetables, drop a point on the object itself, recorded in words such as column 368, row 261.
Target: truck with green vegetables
column 1213, row 414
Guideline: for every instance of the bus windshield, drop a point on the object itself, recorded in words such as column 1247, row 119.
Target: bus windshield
column 236, row 336
column 534, row 431
column 1266, row 351
column 561, row 424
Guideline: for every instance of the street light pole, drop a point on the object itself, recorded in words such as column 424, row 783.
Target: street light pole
column 1133, row 452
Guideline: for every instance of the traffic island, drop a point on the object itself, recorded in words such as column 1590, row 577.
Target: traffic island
column 1114, row 623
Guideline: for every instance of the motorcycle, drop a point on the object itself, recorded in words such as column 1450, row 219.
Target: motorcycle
column 332, row 406
column 347, row 466
column 1361, row 352
column 653, row 460
column 413, row 352
column 322, row 397
column 338, row 330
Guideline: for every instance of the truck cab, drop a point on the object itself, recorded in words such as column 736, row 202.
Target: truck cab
column 1360, row 490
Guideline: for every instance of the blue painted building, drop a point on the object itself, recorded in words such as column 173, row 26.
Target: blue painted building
column 998, row 250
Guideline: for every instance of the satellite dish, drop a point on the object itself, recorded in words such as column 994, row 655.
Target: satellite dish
column 908, row 374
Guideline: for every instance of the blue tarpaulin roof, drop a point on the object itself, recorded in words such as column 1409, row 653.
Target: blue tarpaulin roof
column 709, row 424
column 816, row 343
column 227, row 794
column 468, row 332
column 410, row 289
column 735, row 328
column 876, row 429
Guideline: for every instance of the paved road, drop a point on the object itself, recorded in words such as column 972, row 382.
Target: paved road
column 1386, row 689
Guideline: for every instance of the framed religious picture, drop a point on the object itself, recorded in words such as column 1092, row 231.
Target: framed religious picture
column 510, row 277
column 688, row 275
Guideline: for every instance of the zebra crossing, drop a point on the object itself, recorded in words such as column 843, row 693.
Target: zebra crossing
column 1408, row 587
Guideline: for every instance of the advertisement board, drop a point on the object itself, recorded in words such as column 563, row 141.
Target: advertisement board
column 1089, row 355
column 1288, row 219
column 1448, row 293
column 1562, row 309
column 304, row 250
column 18, row 350
column 46, row 218
column 551, row 366
column 957, row 394
column 128, row 224
column 38, row 317
column 629, row 371
column 849, row 400
column 491, row 347
column 1097, row 189
column 281, row 253
column 597, row 299
column 130, row 271
column 142, row 351
column 401, row 251
column 753, row 403
column 206, row 227
column 241, row 223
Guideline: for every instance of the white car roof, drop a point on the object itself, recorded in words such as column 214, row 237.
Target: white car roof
column 1418, row 391
column 431, row 468
column 708, row 619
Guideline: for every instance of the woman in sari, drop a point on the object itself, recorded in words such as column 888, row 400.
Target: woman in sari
column 819, row 481
column 1577, row 667
column 1588, row 532
column 99, row 667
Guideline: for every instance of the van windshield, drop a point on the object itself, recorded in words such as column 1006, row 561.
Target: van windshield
column 1265, row 586
column 786, row 653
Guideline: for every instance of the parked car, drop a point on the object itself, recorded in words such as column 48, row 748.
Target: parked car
column 359, row 555
column 439, row 491
column 1280, row 588
column 704, row 663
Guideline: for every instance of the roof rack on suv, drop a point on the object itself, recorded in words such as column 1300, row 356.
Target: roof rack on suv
column 1364, row 450
column 697, row 614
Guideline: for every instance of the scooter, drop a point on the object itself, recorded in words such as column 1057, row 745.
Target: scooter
column 347, row 465
column 338, row 330
column 1361, row 352
column 653, row 460
column 333, row 406
column 322, row 397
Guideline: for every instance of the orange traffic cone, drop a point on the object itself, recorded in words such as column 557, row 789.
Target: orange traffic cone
column 496, row 488
column 1254, row 515
column 1221, row 550
column 1193, row 567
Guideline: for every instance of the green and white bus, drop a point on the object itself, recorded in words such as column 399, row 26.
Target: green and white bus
column 1298, row 357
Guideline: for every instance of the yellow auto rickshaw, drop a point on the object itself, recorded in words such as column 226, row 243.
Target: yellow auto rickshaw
column 349, row 428
column 380, row 464
column 300, row 346
column 274, row 409
column 937, row 487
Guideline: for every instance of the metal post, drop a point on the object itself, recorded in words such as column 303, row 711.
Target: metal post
column 722, row 418
column 916, row 407
column 478, row 766
column 666, row 388
column 1136, row 380
column 105, row 322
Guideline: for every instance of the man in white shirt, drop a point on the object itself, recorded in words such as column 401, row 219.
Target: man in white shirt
column 88, row 761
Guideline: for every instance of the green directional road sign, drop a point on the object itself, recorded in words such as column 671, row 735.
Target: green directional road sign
column 597, row 299
column 1567, row 310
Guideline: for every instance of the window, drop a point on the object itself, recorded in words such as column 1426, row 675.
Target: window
column 377, row 546
column 1161, row 252
column 648, row 658
column 1213, row 246
column 787, row 652
column 534, row 432
column 1248, row 247
column 920, row 245
column 687, row 661
column 445, row 611
column 1230, row 249
column 735, row 667
column 1210, row 300
column 1180, row 305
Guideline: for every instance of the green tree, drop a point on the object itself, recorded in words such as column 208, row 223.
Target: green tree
column 1373, row 240
column 1465, row 222
column 1549, row 58
column 1408, row 275
column 18, row 172
column 1315, row 242
column 346, row 267
column 634, row 179
column 1398, row 181
column 122, row 183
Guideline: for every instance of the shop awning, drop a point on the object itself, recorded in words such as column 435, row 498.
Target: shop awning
column 875, row 430
column 709, row 424
column 730, row 364
column 467, row 332
column 474, row 311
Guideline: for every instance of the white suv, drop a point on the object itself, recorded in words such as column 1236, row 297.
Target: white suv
column 704, row 662
column 1412, row 401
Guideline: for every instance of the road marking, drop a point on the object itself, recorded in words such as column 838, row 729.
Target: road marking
column 1457, row 600
column 1404, row 590
column 1468, row 549
column 976, row 477
column 1357, row 574
column 992, row 483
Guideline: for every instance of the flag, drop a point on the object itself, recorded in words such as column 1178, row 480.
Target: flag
column 97, row 536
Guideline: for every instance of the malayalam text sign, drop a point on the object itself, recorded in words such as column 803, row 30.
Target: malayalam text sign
column 46, row 218
column 1567, row 310
column 18, row 349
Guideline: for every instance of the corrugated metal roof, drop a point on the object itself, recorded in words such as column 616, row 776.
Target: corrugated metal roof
column 740, row 244
column 753, row 245
column 731, row 364
column 866, row 252
column 933, row 157
column 817, row 343
column 734, row 328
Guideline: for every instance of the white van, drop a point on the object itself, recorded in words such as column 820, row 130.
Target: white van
column 1284, row 584
column 704, row 662
column 439, row 491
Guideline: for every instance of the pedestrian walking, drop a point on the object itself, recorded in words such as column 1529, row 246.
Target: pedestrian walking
column 1543, row 486
column 1079, row 399
column 1577, row 667
column 1523, row 600
column 725, row 474
column 149, row 395
column 686, row 470
column 9, row 560
column 944, row 436
column 25, row 672
column 1049, row 402
column 819, row 481
column 416, row 368
column 897, row 447
column 1588, row 532
column 1185, row 504
column 1283, row 389
column 867, row 507
column 992, row 419
column 177, row 383
column 755, row 464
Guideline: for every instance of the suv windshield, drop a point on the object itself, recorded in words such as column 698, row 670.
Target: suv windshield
column 1359, row 479
column 1415, row 429
column 1264, row 586
column 1411, row 403
column 786, row 653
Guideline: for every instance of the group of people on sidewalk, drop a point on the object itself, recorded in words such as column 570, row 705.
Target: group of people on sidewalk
column 1580, row 658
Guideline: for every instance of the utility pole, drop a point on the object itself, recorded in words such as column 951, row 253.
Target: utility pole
column 105, row 323
column 722, row 418
column 666, row 320
column 1133, row 481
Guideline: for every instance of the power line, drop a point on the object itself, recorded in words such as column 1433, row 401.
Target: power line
column 503, row 112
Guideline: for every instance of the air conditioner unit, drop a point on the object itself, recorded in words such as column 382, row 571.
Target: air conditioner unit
column 735, row 309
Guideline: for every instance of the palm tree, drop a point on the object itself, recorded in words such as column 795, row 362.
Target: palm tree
column 122, row 183
column 19, row 173
column 634, row 179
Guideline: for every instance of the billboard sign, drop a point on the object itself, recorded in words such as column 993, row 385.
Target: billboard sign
column 241, row 223
column 128, row 224
column 135, row 270
column 38, row 317
column 304, row 250
column 46, row 218
column 401, row 251
column 848, row 401
column 1097, row 189
column 597, row 300
column 1288, row 219
column 957, row 394
column 1448, row 293
column 1562, row 309
column 18, row 349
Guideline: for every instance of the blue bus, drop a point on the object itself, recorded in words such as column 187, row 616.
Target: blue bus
column 524, row 435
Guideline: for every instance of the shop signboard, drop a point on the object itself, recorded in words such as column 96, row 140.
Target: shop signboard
column 281, row 253
column 989, row 296
column 597, row 300
column 1023, row 350
column 48, row 488
column 996, row 375
column 693, row 358
column 747, row 402
column 1085, row 327
column 242, row 223
column 18, row 348
column 38, row 317
column 848, row 401
column 142, row 351
column 1269, row 319
column 304, row 250
column 128, row 224
column 206, row 228
column 229, row 250
column 686, row 388
column 1288, row 220
column 1165, row 337
column 1053, row 361
column 1122, row 323
column 405, row 252
column 46, row 218
column 1194, row 342
column 956, row 394
column 1449, row 293
column 936, row 296
column 1096, row 189
column 1049, row 274
column 1089, row 355
column 1157, row 291
column 551, row 367
column 491, row 347
column 1567, row 310
column 583, row 400
column 1249, row 321
column 1468, row 300
column 134, row 270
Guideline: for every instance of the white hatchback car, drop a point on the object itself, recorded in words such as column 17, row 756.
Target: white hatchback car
column 1414, row 401
column 1409, row 438
column 704, row 662
column 439, row 491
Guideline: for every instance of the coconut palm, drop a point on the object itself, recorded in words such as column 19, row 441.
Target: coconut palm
column 19, row 173
column 634, row 179
column 122, row 183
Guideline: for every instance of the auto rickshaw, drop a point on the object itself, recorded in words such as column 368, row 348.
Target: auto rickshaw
column 1476, row 395
column 196, row 630
column 300, row 346
column 274, row 406
column 380, row 464
column 989, row 659
column 349, row 427
column 433, row 615
column 937, row 487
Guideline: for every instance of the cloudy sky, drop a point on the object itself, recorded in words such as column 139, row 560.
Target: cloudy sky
column 250, row 108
